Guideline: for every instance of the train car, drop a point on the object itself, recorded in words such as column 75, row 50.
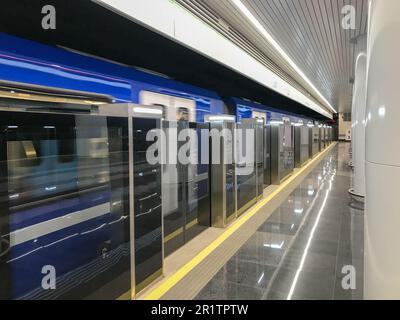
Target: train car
column 66, row 192
column 66, row 202
column 35, row 65
column 245, row 109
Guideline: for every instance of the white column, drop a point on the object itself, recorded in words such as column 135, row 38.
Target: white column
column 382, row 212
column 358, row 116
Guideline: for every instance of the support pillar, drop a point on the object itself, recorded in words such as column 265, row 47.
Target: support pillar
column 382, row 206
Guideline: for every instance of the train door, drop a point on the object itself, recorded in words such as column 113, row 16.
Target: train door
column 185, row 186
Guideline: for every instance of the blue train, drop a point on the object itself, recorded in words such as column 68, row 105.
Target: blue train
column 66, row 175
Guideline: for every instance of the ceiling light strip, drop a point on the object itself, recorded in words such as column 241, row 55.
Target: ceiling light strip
column 271, row 40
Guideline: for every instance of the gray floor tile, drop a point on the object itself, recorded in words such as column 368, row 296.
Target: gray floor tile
column 299, row 252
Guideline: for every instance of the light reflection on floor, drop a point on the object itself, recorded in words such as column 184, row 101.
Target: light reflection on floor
column 300, row 251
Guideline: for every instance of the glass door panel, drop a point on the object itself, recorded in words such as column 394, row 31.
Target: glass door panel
column 198, row 216
column 246, row 167
column 147, row 206
column 173, row 188
column 286, row 150
column 66, row 186
column 186, row 189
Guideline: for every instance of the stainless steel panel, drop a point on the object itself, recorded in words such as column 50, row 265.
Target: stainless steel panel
column 267, row 155
column 222, row 177
column 304, row 145
column 246, row 168
column 286, row 151
column 297, row 147
column 320, row 140
column 310, row 143
column 282, row 152
column 315, row 141
column 275, row 143
column 259, row 149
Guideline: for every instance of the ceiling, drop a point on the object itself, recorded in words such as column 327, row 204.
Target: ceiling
column 311, row 34
column 132, row 44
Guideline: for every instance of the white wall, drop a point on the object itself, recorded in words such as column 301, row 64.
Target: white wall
column 382, row 205
column 344, row 127
column 358, row 116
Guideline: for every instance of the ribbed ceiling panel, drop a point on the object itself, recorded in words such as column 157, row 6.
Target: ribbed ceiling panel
column 309, row 31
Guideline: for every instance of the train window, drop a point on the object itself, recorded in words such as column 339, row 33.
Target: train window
column 64, row 202
column 24, row 153
column 163, row 107
column 175, row 108
column 182, row 114
column 66, row 150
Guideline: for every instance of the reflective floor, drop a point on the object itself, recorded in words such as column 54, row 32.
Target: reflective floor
column 311, row 247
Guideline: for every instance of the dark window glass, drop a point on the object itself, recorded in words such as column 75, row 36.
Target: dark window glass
column 65, row 207
column 147, row 203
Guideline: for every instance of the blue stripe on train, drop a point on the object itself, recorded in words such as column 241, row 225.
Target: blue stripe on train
column 65, row 249
column 24, row 218
column 30, row 62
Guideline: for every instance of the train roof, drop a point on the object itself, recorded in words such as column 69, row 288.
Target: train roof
column 259, row 106
column 60, row 56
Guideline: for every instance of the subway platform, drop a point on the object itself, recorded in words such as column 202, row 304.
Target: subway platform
column 307, row 243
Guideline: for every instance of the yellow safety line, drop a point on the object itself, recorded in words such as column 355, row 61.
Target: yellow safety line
column 172, row 280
